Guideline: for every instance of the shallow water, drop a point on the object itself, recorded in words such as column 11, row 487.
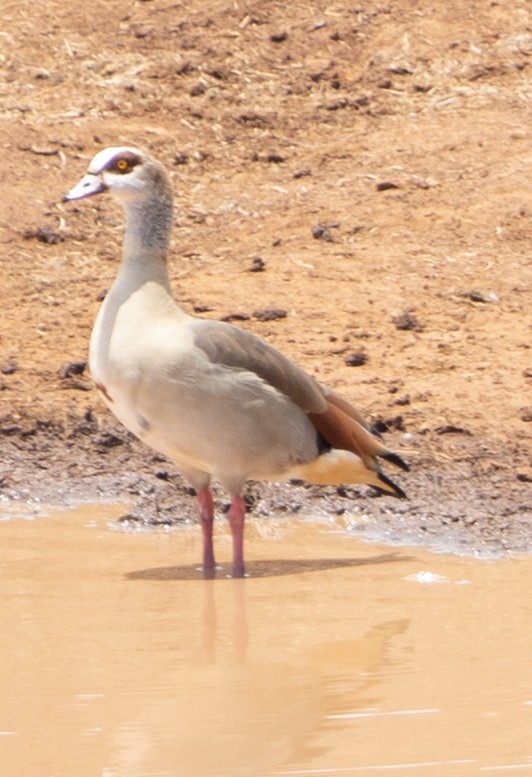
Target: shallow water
column 117, row 659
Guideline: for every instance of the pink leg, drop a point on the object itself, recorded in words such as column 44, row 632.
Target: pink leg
column 206, row 515
column 236, row 515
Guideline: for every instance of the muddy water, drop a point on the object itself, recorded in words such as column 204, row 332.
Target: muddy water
column 335, row 658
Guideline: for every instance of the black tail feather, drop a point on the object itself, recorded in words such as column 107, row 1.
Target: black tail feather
column 397, row 491
column 394, row 458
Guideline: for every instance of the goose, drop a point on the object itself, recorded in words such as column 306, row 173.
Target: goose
column 216, row 400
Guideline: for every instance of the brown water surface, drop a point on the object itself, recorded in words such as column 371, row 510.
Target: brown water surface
column 334, row 658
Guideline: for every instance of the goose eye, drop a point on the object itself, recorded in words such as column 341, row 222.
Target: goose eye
column 122, row 165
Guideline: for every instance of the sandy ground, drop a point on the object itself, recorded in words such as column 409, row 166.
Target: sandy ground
column 353, row 185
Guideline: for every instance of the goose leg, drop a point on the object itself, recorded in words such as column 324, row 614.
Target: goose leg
column 206, row 515
column 236, row 516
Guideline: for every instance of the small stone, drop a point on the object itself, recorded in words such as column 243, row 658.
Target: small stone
column 43, row 150
column 321, row 232
column 269, row 314
column 68, row 369
column 235, row 317
column 202, row 308
column 400, row 70
column 275, row 159
column 402, row 400
column 336, row 105
column 526, row 414
column 9, row 367
column 257, row 264
column 108, row 440
column 181, row 159
column 9, row 429
column 452, row 429
column 356, row 359
column 383, row 186
column 44, row 234
column 475, row 295
column 197, row 90
column 381, row 425
column 302, row 173
column 407, row 322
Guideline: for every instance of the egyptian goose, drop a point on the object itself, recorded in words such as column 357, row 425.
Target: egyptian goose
column 216, row 400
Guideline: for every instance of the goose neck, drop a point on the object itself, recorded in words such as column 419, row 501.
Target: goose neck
column 148, row 225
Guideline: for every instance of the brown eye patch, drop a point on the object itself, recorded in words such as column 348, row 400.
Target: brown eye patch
column 124, row 163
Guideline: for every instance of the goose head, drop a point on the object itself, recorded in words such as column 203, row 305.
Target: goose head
column 142, row 186
column 128, row 173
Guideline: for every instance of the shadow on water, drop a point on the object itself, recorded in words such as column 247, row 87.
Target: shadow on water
column 264, row 568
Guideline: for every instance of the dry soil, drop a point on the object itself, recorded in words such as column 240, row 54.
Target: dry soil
column 352, row 184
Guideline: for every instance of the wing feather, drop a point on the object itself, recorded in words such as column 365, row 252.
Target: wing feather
column 233, row 347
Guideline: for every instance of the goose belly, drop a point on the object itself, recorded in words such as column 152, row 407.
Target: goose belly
column 217, row 424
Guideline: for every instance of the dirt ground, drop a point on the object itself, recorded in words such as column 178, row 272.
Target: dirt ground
column 352, row 184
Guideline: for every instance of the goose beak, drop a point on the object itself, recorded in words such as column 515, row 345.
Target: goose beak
column 89, row 185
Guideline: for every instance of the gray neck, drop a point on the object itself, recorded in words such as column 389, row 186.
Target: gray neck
column 147, row 236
